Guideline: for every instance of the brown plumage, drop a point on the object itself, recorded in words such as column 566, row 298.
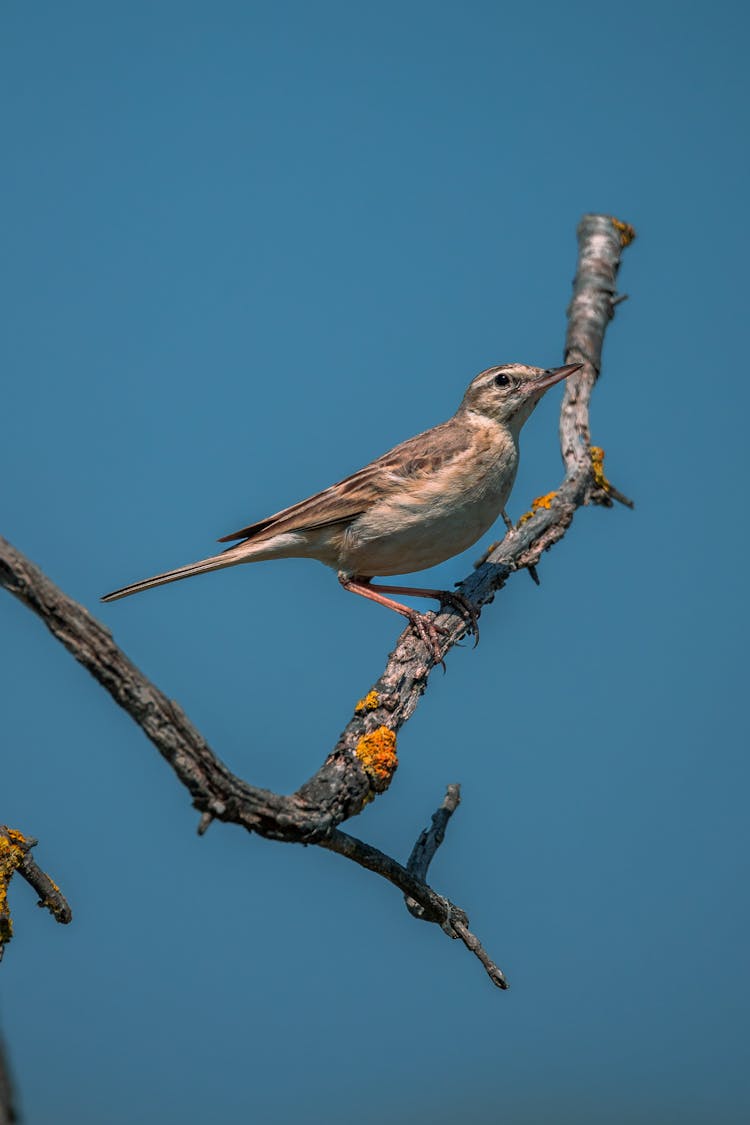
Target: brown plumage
column 421, row 503
column 421, row 456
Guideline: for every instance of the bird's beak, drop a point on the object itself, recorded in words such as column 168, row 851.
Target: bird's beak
column 554, row 375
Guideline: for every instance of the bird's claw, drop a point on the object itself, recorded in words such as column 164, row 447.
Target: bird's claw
column 428, row 634
column 461, row 603
column 425, row 628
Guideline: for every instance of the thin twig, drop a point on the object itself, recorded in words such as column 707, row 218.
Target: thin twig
column 50, row 896
column 473, row 944
column 432, row 906
column 428, row 842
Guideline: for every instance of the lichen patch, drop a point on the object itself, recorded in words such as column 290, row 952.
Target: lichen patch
column 377, row 754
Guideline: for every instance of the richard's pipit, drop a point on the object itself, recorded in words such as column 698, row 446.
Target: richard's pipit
column 423, row 502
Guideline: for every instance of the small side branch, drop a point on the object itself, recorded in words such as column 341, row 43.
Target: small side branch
column 419, row 861
column 430, row 839
column 426, row 904
column 15, row 855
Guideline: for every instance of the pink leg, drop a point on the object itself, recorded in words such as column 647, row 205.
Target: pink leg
column 457, row 601
column 425, row 629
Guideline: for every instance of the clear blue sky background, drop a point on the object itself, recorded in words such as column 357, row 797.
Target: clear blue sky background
column 246, row 248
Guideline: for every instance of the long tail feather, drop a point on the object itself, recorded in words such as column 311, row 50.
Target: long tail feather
column 215, row 562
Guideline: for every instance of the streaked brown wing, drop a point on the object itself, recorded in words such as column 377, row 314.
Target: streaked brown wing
column 423, row 455
column 324, row 508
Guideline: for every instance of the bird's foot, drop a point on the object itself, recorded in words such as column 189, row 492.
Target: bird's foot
column 465, row 607
column 428, row 633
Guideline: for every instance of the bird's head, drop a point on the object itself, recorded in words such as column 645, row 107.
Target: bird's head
column 509, row 393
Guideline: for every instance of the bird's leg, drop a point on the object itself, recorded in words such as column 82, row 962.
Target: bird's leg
column 448, row 597
column 425, row 629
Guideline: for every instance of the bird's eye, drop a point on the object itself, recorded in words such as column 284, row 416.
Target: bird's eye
column 502, row 380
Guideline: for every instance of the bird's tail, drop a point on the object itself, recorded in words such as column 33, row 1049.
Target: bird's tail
column 215, row 562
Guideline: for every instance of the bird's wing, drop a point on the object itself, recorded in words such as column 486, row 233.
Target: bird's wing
column 420, row 456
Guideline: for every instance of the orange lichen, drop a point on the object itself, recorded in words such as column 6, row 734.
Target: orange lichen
column 625, row 231
column 377, row 754
column 370, row 703
column 540, row 502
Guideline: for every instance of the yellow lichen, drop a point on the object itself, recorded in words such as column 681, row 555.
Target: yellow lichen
column 370, row 703
column 600, row 480
column 625, row 231
column 597, row 464
column 377, row 754
column 540, row 502
column 11, row 855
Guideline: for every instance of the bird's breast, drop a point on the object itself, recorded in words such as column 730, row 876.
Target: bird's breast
column 423, row 521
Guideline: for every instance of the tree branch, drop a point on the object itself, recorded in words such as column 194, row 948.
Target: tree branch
column 363, row 760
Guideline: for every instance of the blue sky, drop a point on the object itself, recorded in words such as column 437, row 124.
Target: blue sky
column 247, row 248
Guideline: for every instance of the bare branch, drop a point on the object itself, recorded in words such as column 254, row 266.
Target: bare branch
column 428, row 842
column 50, row 895
column 363, row 760
column 422, row 901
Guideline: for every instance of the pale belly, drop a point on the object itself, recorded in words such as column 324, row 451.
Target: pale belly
column 399, row 538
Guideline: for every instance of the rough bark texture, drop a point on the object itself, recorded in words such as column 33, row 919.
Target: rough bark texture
column 363, row 759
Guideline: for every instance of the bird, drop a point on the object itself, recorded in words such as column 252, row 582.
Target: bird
column 421, row 503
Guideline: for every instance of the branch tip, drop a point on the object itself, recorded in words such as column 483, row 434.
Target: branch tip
column 205, row 822
column 472, row 943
